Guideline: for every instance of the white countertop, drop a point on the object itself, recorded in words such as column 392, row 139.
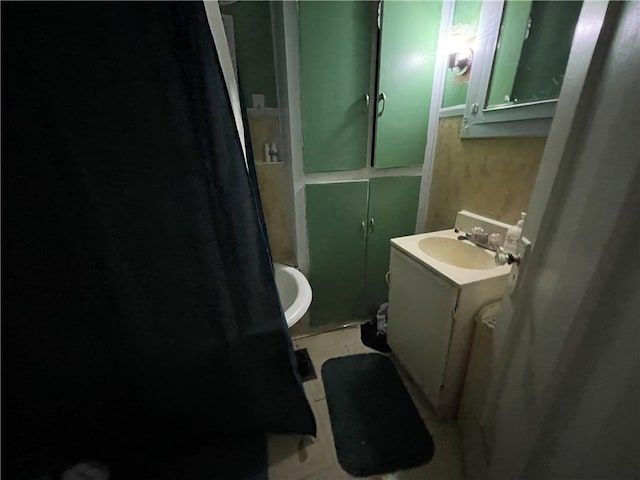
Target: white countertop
column 457, row 275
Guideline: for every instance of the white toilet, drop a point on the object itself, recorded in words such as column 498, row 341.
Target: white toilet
column 294, row 290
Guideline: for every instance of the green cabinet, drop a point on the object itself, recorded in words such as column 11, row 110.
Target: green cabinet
column 342, row 93
column 336, row 214
column 337, row 70
column 393, row 208
column 349, row 225
column 408, row 47
column 336, row 41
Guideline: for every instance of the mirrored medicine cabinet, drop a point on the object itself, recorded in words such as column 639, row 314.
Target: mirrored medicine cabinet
column 520, row 58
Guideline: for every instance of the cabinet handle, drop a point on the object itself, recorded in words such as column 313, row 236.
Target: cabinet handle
column 363, row 226
column 372, row 225
column 381, row 98
column 367, row 100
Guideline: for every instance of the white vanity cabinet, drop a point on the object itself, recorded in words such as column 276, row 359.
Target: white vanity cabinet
column 421, row 308
column 430, row 319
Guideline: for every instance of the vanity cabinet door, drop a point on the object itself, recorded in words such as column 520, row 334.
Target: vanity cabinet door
column 336, row 214
column 420, row 322
column 393, row 207
column 408, row 46
column 336, row 41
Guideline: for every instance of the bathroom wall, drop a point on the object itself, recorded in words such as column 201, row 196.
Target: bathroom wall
column 256, row 72
column 274, row 185
column 489, row 176
column 254, row 49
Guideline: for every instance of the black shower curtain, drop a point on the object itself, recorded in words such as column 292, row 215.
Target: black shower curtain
column 138, row 302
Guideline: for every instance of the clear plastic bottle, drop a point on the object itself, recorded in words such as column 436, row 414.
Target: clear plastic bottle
column 513, row 236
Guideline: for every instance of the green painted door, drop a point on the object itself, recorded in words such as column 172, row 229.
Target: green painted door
column 407, row 60
column 336, row 41
column 335, row 216
column 393, row 207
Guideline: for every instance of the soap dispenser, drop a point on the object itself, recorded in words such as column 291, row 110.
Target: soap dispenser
column 513, row 235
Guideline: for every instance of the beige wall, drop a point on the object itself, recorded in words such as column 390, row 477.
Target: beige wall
column 489, row 176
column 274, row 185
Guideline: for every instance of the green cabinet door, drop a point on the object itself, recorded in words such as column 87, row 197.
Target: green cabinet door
column 393, row 207
column 335, row 216
column 336, row 41
column 407, row 60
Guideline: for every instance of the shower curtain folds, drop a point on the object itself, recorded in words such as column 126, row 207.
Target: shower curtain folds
column 138, row 301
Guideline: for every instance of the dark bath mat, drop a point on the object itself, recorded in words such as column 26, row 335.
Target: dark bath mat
column 305, row 366
column 376, row 427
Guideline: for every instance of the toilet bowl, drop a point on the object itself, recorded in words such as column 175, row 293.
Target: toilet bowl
column 294, row 291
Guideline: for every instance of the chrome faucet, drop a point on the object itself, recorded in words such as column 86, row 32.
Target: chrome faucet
column 480, row 238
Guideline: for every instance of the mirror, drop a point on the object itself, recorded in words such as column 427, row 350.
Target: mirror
column 519, row 62
column 532, row 51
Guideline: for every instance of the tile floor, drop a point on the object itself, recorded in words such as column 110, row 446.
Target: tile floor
column 293, row 457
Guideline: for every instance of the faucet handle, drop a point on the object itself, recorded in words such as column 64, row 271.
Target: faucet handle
column 479, row 235
column 495, row 241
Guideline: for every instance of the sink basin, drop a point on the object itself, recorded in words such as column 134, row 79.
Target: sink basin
column 457, row 253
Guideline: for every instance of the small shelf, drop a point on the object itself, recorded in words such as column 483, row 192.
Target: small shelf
column 264, row 112
column 269, row 163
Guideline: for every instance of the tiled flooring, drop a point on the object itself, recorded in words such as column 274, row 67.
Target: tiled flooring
column 293, row 457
